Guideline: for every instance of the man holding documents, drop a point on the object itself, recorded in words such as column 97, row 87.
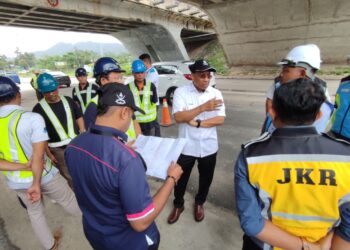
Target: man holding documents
column 110, row 182
column 198, row 108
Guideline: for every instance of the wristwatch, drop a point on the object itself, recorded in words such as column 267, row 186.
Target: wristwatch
column 198, row 123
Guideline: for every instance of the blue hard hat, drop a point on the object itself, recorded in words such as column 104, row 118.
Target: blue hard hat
column 105, row 65
column 138, row 66
column 7, row 87
column 46, row 83
column 80, row 72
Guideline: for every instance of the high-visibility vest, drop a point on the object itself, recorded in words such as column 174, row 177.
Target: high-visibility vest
column 131, row 131
column 34, row 82
column 11, row 149
column 64, row 136
column 80, row 98
column 301, row 193
column 145, row 104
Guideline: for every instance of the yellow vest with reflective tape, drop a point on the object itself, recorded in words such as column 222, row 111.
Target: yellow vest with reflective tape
column 64, row 136
column 11, row 149
column 80, row 98
column 309, row 188
column 145, row 104
column 131, row 131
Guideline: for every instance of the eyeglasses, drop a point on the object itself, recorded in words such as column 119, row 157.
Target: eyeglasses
column 204, row 75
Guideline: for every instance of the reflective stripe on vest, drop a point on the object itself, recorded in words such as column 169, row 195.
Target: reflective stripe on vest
column 65, row 137
column 145, row 104
column 11, row 149
column 93, row 100
column 80, row 98
column 131, row 131
column 286, row 181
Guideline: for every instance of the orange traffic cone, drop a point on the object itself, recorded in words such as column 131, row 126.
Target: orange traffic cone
column 166, row 118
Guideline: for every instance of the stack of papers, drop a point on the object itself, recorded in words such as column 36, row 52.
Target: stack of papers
column 158, row 153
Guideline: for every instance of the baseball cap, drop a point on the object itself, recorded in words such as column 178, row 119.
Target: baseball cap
column 201, row 66
column 80, row 72
column 116, row 94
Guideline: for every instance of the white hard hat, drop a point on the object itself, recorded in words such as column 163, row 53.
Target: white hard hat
column 309, row 54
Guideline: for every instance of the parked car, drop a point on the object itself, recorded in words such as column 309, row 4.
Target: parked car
column 61, row 78
column 13, row 75
column 172, row 75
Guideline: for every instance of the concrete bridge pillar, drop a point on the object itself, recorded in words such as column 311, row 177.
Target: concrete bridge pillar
column 260, row 32
column 162, row 43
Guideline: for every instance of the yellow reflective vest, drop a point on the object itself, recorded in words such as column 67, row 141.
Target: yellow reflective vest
column 11, row 149
column 65, row 137
column 145, row 104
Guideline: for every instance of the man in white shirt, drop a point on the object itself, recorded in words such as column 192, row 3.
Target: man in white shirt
column 198, row 108
column 153, row 77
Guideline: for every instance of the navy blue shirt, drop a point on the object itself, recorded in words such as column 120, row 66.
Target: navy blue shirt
column 111, row 188
column 90, row 115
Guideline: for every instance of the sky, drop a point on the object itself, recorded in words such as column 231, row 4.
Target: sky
column 30, row 40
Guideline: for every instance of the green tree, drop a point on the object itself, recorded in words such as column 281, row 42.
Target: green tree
column 24, row 60
column 3, row 62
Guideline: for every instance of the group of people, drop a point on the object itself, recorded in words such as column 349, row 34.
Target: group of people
column 76, row 150
column 291, row 184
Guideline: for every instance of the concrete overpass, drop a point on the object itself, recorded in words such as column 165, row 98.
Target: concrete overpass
column 142, row 26
column 260, row 32
column 251, row 32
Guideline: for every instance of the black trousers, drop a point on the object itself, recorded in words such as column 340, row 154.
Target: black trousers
column 206, row 166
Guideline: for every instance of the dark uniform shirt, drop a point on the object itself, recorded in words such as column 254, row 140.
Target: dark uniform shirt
column 83, row 92
column 111, row 189
column 60, row 112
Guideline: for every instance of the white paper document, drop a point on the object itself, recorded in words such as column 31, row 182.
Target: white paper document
column 158, row 153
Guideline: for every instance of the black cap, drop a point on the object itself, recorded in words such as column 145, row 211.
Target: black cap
column 201, row 66
column 117, row 94
column 80, row 72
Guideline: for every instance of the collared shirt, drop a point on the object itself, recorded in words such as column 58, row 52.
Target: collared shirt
column 152, row 76
column 292, row 143
column 31, row 129
column 201, row 142
column 111, row 188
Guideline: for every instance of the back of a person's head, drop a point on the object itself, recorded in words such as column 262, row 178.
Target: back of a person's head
column 145, row 56
column 298, row 102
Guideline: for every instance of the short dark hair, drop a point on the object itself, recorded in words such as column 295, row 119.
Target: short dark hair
column 145, row 56
column 297, row 102
column 6, row 99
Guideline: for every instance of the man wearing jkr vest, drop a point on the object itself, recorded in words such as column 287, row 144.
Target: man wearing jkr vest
column 292, row 187
column 145, row 96
column 63, row 120
column 83, row 93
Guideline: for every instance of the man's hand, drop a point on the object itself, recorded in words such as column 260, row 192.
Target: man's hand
column 193, row 123
column 211, row 105
column 131, row 144
column 175, row 170
column 34, row 193
column 52, row 158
